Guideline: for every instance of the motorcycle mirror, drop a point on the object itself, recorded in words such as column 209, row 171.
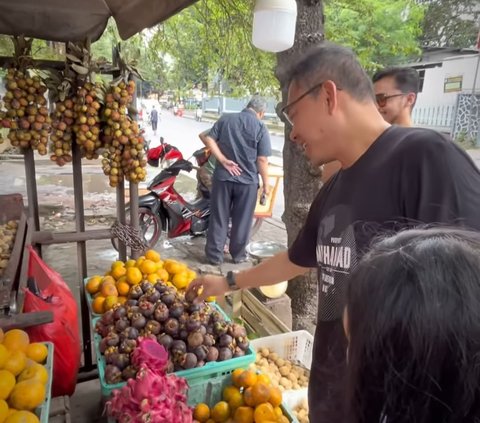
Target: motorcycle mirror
column 161, row 140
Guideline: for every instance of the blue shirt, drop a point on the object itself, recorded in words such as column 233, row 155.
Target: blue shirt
column 241, row 137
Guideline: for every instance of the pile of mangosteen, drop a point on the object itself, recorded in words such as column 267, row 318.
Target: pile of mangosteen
column 193, row 333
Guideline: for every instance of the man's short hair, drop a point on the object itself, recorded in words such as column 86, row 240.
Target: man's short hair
column 258, row 104
column 407, row 80
column 332, row 62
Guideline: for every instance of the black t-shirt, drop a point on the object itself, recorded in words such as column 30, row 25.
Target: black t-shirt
column 409, row 176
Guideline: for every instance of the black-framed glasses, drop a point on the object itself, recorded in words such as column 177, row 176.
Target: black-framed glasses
column 284, row 109
column 382, row 99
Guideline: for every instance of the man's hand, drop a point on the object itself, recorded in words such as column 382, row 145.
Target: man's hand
column 208, row 286
column 266, row 190
column 232, row 167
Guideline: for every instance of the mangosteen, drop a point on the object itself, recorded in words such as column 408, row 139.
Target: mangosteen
column 195, row 339
column 121, row 324
column 161, row 313
column 243, row 343
column 146, row 308
column 203, row 330
column 168, row 298
column 216, row 316
column 183, row 334
column 99, row 327
column 189, row 361
column 176, row 309
column 161, row 287
column 146, row 286
column 138, row 321
column 107, row 318
column 190, row 295
column 112, row 339
column 103, row 345
column 130, row 372
column 212, row 354
column 153, row 295
column 201, row 352
column 127, row 346
column 165, row 340
column 130, row 333
column 170, row 366
column 178, row 347
column 132, row 310
column 153, row 327
column 183, row 319
column 208, row 340
column 210, row 330
column 238, row 352
column 192, row 308
column 225, row 341
column 225, row 354
column 120, row 360
column 204, row 319
column 135, row 292
column 200, row 363
column 236, row 331
column 171, row 327
column 112, row 374
column 193, row 322
column 109, row 353
column 220, row 328
column 119, row 313
column 131, row 302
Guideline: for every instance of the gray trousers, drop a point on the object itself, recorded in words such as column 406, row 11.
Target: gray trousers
column 230, row 200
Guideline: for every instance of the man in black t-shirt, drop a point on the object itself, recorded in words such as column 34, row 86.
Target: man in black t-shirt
column 391, row 178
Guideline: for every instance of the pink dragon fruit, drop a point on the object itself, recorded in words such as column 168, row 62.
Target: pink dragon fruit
column 150, row 353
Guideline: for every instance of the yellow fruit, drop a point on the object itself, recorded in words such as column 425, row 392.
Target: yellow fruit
column 37, row 352
column 36, row 372
column 130, row 263
column 1, row 335
column 248, row 397
column 140, row 260
column 236, row 377
column 283, row 419
column 148, row 266
column 16, row 340
column 27, row 395
column 110, row 302
column 278, row 411
column 211, row 299
column 159, row 265
column 263, row 378
column 153, row 278
column 191, row 275
column 152, row 255
column 229, row 392
column 163, row 275
column 22, row 417
column 16, row 362
column 93, row 284
column 275, row 397
column 116, row 264
column 201, row 412
column 236, row 401
column 3, row 355
column 247, row 379
column 123, row 288
column 134, row 276
column 264, row 413
column 220, row 412
column 173, row 267
column 108, row 290
column 108, row 280
column 118, row 272
column 260, row 393
column 122, row 300
column 180, row 280
column 122, row 279
column 97, row 304
column 243, row 415
column 11, row 411
column 3, row 410
column 7, row 383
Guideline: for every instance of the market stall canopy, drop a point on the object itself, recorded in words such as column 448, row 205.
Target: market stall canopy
column 76, row 20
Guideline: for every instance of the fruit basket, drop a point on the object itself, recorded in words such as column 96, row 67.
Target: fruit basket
column 89, row 299
column 198, row 375
column 43, row 410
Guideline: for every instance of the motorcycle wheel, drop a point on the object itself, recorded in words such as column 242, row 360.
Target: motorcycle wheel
column 150, row 227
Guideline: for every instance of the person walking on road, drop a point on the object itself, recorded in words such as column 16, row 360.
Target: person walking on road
column 241, row 145
column 391, row 178
column 154, row 120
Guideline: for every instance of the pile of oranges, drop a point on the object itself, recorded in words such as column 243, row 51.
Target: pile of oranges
column 23, row 378
column 250, row 399
column 114, row 286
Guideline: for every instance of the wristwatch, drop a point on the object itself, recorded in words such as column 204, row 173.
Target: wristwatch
column 231, row 280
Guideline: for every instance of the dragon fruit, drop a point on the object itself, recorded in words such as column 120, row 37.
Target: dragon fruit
column 153, row 396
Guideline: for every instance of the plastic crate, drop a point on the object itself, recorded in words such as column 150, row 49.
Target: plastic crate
column 43, row 410
column 89, row 299
column 193, row 376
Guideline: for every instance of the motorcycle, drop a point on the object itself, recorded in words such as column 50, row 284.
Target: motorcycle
column 164, row 209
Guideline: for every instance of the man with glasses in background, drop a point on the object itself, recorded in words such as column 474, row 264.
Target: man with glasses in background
column 391, row 178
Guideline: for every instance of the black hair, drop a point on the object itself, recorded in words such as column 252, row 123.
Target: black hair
column 407, row 80
column 413, row 307
column 336, row 63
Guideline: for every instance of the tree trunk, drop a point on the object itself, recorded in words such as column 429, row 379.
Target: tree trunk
column 301, row 180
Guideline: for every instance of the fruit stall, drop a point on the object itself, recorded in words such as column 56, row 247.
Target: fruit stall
column 159, row 355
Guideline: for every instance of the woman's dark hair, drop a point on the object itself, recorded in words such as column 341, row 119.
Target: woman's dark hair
column 413, row 316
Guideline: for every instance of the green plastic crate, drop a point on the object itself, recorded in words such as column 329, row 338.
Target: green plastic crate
column 43, row 410
column 193, row 376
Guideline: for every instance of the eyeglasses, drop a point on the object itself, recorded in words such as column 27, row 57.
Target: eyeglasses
column 383, row 98
column 284, row 110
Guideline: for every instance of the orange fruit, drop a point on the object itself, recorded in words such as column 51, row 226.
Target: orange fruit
column 148, row 266
column 118, row 272
column 263, row 378
column 264, row 413
column 229, row 392
column 3, row 410
column 236, row 377
column 159, row 265
column 134, row 276
column 122, row 300
column 153, row 278
column 180, row 280
column 220, row 412
column 173, row 267
column 36, row 371
column 110, row 302
column 16, row 340
column 140, row 260
column 116, row 264
column 163, row 275
column 260, row 393
column 27, row 395
column 211, row 299
column 191, row 275
column 93, row 284
column 37, row 352
column 97, row 304
column 248, row 397
column 1, row 335
column 122, row 279
column 108, row 279
column 108, row 290
column 275, row 397
column 7, row 383
column 22, row 417
column 236, row 401
column 152, row 255
column 130, row 263
column 16, row 362
column 123, row 288
column 11, row 411
column 282, row 419
column 201, row 412
column 243, row 415
column 278, row 411
column 3, row 355
column 247, row 379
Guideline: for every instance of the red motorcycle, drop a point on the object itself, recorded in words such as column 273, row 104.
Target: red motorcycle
column 164, row 209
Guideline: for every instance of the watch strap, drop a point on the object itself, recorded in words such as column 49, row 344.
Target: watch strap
column 231, row 280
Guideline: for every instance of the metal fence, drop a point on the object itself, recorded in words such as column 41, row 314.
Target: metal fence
column 441, row 118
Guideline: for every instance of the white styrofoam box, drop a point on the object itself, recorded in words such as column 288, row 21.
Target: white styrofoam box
column 294, row 398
